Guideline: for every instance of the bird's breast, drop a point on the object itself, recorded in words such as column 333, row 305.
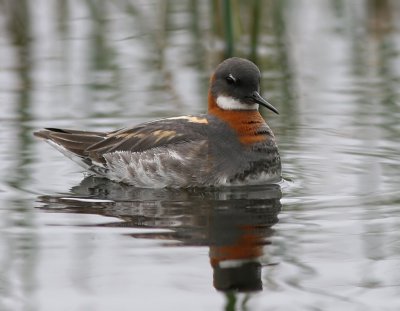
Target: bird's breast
column 248, row 125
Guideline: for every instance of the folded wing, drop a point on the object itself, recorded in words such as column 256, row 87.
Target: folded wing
column 90, row 147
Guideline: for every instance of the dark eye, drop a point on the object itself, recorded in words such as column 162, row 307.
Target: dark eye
column 231, row 79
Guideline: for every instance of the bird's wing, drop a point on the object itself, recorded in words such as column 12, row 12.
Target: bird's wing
column 73, row 141
column 152, row 134
column 92, row 146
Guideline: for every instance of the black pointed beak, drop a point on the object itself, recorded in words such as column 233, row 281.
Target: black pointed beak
column 259, row 100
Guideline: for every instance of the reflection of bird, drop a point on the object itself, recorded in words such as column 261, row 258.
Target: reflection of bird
column 234, row 223
column 230, row 145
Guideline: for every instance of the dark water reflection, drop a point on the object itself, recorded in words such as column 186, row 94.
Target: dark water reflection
column 234, row 223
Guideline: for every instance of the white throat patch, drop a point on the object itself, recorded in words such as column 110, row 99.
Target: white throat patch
column 229, row 103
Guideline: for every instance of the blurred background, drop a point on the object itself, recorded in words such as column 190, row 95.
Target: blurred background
column 331, row 67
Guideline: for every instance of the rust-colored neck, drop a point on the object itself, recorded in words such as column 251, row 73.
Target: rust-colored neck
column 244, row 122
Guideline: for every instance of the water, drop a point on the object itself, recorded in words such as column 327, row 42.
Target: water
column 326, row 238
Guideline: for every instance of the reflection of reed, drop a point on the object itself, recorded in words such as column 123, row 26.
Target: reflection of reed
column 380, row 17
column 227, row 18
column 255, row 29
column 234, row 223
column 19, row 31
column 19, row 250
column 94, row 68
column 234, row 20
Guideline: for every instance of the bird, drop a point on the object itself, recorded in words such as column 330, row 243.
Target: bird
column 230, row 145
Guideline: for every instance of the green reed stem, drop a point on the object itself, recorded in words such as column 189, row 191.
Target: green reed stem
column 228, row 25
column 255, row 29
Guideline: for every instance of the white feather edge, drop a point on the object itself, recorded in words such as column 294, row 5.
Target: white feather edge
column 230, row 103
column 68, row 154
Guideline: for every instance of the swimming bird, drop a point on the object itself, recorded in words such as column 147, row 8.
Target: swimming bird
column 230, row 145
